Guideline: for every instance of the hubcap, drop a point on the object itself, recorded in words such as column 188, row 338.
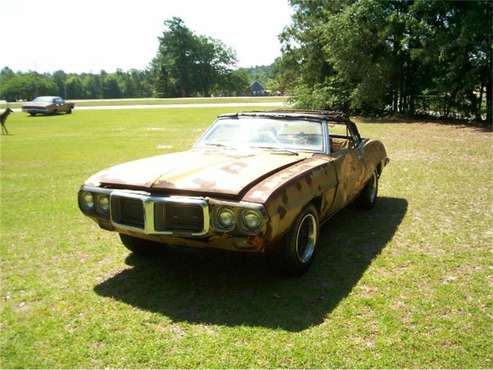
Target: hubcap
column 306, row 237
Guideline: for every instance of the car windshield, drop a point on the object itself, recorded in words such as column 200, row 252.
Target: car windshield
column 43, row 99
column 268, row 133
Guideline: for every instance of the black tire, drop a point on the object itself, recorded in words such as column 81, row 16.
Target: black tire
column 139, row 246
column 300, row 243
column 55, row 112
column 368, row 196
column 69, row 111
column 32, row 114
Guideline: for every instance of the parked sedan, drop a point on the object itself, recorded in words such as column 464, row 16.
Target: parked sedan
column 48, row 105
column 255, row 182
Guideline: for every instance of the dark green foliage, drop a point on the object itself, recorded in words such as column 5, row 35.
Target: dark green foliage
column 19, row 85
column 377, row 57
column 262, row 74
column 187, row 64
column 25, row 85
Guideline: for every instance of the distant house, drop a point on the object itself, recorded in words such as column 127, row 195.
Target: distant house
column 256, row 89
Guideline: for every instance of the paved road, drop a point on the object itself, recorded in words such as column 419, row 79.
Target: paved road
column 174, row 106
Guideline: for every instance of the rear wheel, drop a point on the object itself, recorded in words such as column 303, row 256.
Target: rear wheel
column 299, row 247
column 368, row 196
column 32, row 114
column 139, row 246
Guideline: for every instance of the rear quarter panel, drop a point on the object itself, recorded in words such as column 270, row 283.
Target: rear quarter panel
column 375, row 157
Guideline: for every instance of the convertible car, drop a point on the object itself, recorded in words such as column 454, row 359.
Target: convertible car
column 48, row 105
column 254, row 182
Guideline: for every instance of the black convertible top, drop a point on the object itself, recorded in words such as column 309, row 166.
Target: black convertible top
column 334, row 116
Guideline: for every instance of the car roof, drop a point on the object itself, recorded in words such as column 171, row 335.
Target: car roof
column 322, row 115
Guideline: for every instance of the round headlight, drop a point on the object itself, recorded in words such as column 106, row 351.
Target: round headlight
column 226, row 218
column 103, row 202
column 87, row 200
column 252, row 219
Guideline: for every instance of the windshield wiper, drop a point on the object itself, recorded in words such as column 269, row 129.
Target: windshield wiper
column 277, row 150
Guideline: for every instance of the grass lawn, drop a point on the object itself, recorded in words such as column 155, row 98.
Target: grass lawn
column 159, row 101
column 407, row 284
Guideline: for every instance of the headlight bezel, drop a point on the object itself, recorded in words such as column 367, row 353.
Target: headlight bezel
column 99, row 208
column 251, row 211
column 217, row 218
column 82, row 201
column 239, row 209
column 95, row 210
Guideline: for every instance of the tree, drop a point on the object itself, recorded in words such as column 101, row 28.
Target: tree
column 187, row 64
column 373, row 56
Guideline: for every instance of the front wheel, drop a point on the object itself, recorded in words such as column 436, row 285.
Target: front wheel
column 300, row 243
column 368, row 196
column 69, row 111
column 139, row 246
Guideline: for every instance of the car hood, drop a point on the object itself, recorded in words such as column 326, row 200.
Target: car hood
column 198, row 171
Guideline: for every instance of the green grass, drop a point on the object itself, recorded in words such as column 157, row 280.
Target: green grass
column 407, row 284
column 166, row 101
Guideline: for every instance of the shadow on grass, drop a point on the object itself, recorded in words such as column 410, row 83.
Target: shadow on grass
column 230, row 289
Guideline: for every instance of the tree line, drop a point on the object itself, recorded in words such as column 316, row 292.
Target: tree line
column 384, row 56
column 27, row 85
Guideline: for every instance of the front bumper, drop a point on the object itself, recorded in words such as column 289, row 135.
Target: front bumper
column 209, row 235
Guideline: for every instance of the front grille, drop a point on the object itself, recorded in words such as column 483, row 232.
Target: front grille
column 127, row 211
column 178, row 217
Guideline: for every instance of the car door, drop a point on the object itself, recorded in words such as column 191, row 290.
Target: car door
column 348, row 159
column 60, row 106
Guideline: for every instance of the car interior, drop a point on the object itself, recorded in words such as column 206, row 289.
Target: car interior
column 339, row 137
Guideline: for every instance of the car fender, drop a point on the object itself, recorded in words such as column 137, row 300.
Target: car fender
column 285, row 193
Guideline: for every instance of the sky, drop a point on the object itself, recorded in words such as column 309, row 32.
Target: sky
column 90, row 35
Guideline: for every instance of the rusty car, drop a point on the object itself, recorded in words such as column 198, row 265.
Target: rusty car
column 48, row 105
column 254, row 182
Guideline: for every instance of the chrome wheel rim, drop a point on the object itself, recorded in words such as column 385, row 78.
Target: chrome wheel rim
column 306, row 238
column 373, row 188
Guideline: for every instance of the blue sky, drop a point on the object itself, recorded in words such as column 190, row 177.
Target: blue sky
column 90, row 35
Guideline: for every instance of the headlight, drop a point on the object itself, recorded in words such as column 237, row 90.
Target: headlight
column 87, row 201
column 225, row 218
column 252, row 219
column 103, row 203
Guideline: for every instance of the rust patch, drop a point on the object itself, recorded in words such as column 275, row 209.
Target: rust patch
column 308, row 179
column 268, row 231
column 282, row 211
column 204, row 184
column 166, row 184
column 256, row 241
column 234, row 168
column 285, row 197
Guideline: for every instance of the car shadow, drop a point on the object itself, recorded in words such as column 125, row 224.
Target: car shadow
column 229, row 289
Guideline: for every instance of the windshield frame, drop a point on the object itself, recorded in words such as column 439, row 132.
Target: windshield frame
column 325, row 145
